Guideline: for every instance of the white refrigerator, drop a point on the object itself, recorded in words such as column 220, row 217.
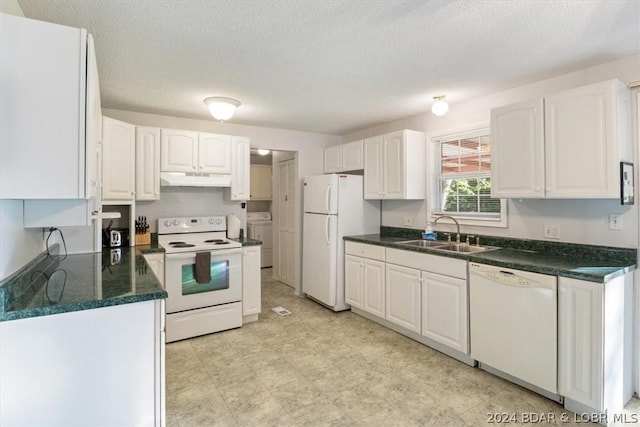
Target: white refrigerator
column 334, row 207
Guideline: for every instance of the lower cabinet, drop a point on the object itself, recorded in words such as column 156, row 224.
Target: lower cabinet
column 595, row 341
column 444, row 310
column 402, row 285
column 365, row 277
column 75, row 368
column 251, row 292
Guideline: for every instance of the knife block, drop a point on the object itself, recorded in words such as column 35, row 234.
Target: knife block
column 143, row 239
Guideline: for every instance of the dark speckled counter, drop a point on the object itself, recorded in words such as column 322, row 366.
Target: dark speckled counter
column 584, row 262
column 52, row 285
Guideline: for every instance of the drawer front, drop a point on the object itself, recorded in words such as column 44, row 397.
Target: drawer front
column 364, row 250
column 433, row 263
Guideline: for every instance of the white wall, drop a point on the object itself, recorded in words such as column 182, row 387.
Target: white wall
column 580, row 221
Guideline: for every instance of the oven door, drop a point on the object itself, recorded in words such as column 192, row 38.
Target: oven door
column 186, row 294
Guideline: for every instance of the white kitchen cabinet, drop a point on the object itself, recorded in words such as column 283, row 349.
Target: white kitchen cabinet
column 117, row 350
column 118, row 160
column 444, row 310
column 567, row 145
column 344, row 157
column 156, row 263
column 240, row 169
column 260, row 182
column 402, row 304
column 365, row 277
column 594, row 344
column 395, row 165
column 214, row 153
column 147, row 163
column 179, row 150
column 251, row 290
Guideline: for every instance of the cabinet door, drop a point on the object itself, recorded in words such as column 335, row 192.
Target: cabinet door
column 581, row 146
column 42, row 125
column 394, row 166
column 179, row 150
column 403, row 297
column 260, row 179
column 373, row 287
column 333, row 159
column 214, row 153
column 147, row 163
column 444, row 310
column 580, row 341
column 352, row 156
column 240, row 179
column 517, row 150
column 353, row 271
column 118, row 160
column 251, row 293
column 373, row 168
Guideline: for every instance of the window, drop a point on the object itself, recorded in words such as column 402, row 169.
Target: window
column 463, row 180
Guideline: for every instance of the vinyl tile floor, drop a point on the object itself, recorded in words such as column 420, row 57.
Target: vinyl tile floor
column 315, row 367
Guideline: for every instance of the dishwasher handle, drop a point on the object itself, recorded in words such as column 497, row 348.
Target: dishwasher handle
column 512, row 278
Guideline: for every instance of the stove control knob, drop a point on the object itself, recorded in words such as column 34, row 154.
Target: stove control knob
column 176, row 222
column 167, row 222
column 218, row 221
column 211, row 220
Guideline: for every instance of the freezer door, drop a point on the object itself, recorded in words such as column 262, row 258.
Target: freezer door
column 320, row 257
column 321, row 194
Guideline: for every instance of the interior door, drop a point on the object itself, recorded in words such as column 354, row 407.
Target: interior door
column 320, row 257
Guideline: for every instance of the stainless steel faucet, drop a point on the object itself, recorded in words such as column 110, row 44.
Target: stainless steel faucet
column 452, row 219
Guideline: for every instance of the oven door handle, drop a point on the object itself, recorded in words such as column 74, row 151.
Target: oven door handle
column 214, row 254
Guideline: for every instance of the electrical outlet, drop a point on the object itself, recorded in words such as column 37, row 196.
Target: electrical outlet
column 407, row 220
column 615, row 221
column 551, row 231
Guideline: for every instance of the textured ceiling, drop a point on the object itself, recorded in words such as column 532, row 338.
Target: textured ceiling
column 335, row 66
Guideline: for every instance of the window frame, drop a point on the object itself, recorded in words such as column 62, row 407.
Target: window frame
column 435, row 139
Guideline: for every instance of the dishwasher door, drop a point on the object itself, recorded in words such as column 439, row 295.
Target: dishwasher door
column 514, row 323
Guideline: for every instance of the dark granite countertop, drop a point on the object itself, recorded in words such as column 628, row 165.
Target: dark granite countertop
column 584, row 262
column 56, row 284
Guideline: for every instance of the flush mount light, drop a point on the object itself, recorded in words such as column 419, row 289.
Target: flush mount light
column 263, row 152
column 440, row 105
column 222, row 108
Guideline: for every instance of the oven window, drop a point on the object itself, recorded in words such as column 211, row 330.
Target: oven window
column 219, row 278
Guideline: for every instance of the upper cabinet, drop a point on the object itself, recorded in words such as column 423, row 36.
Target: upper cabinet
column 395, row 165
column 240, row 166
column 147, row 163
column 566, row 145
column 189, row 151
column 118, row 160
column 344, row 157
column 49, row 128
column 260, row 179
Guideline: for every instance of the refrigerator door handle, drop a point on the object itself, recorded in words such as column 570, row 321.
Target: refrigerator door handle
column 326, row 230
column 327, row 198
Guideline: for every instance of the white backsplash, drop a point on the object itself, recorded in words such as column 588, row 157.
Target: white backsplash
column 189, row 201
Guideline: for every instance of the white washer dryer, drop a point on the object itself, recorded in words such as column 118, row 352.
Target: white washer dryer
column 259, row 227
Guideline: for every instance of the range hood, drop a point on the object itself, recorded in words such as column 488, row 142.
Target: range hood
column 184, row 179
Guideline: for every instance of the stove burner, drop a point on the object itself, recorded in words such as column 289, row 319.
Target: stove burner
column 221, row 243
column 177, row 243
column 214, row 241
column 181, row 245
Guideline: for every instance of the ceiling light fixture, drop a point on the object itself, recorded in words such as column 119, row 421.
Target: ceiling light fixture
column 222, row 108
column 263, row 151
column 440, row 105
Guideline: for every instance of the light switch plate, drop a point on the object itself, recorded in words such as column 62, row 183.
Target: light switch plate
column 551, row 231
column 615, row 221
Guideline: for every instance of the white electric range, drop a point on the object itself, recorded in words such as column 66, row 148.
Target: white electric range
column 196, row 305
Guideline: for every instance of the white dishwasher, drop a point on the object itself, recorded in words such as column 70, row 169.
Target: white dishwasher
column 514, row 323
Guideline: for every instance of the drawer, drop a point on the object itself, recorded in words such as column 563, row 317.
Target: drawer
column 364, row 250
column 432, row 263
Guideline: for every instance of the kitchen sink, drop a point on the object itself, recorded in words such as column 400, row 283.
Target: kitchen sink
column 425, row 243
column 447, row 246
column 465, row 248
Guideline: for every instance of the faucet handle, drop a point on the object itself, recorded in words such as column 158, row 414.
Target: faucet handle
column 477, row 240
